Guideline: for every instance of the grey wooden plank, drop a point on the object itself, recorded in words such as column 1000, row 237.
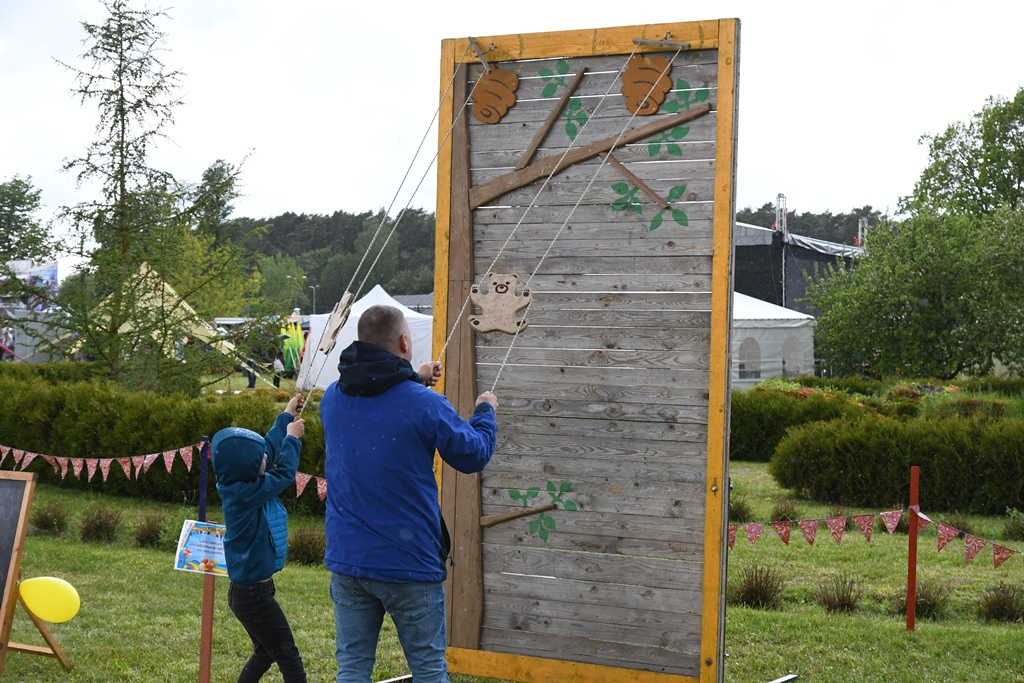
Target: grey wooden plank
column 583, row 214
column 623, row 229
column 696, row 339
column 567, row 193
column 605, row 653
column 674, row 282
column 565, row 619
column 639, row 535
column 675, row 241
column 689, row 381
column 554, row 458
column 623, row 598
column 651, row 171
column 687, row 505
column 571, row 428
column 624, row 319
column 487, row 164
column 521, row 354
column 623, row 493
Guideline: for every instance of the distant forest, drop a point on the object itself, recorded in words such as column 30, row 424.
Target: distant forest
column 299, row 253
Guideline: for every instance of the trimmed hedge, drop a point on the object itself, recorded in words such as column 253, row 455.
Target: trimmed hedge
column 973, row 465
column 760, row 419
column 102, row 420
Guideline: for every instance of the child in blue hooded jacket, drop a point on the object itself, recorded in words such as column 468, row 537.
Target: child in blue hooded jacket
column 252, row 471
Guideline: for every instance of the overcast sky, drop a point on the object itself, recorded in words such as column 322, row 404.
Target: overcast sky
column 327, row 100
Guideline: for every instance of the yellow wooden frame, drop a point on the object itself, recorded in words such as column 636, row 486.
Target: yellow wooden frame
column 721, row 34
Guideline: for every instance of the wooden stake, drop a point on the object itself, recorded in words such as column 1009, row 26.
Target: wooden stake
column 915, row 473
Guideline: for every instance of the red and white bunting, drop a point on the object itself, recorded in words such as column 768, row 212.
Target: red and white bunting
column 90, row 465
column 4, row 450
column 321, row 488
column 972, row 546
column 865, row 523
column 891, row 519
column 52, row 461
column 1000, row 554
column 810, row 529
column 29, row 457
column 782, row 531
column 946, row 534
column 126, row 466
column 753, row 531
column 169, row 459
column 105, row 467
column 301, row 479
column 923, row 520
column 732, row 534
column 18, row 455
column 186, row 455
column 76, row 466
column 836, row 525
column 138, row 461
column 148, row 462
column 63, row 462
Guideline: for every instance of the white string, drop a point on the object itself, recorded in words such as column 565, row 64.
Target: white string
column 579, row 136
column 604, row 160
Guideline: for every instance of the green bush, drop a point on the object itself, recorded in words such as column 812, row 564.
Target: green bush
column 1002, row 603
column 50, row 519
column 150, row 531
column 933, row 598
column 761, row 417
column 973, row 465
column 838, row 593
column 307, row 546
column 99, row 419
column 100, row 524
column 740, row 511
column 758, row 586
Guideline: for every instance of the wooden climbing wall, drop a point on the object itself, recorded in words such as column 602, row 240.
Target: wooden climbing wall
column 613, row 417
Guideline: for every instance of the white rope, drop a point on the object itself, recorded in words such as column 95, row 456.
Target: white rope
column 604, row 160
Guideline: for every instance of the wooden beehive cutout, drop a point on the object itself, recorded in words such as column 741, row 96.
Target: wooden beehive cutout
column 645, row 83
column 495, row 94
column 499, row 305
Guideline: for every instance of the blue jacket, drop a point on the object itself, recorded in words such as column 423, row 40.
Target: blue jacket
column 256, row 540
column 382, row 427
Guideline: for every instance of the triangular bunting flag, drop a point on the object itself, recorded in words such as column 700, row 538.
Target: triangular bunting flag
column 837, row 525
column 186, row 455
column 782, row 531
column 53, row 463
column 4, row 450
column 865, row 523
column 90, row 464
column 321, row 488
column 169, row 458
column 1000, row 554
column 29, row 457
column 105, row 467
column 138, row 461
column 76, row 466
column 732, row 534
column 946, row 534
column 148, row 462
column 63, row 462
column 923, row 520
column 18, row 455
column 753, row 531
column 972, row 546
column 891, row 519
column 301, row 479
column 126, row 466
column 810, row 529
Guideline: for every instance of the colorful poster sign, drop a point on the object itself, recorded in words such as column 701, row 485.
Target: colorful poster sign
column 201, row 548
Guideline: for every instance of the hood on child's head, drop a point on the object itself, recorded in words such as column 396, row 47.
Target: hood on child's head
column 237, row 455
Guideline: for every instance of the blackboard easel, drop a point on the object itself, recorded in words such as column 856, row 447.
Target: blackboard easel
column 16, row 491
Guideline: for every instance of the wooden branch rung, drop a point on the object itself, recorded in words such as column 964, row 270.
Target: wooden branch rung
column 631, row 177
column 551, row 120
column 491, row 520
column 647, row 42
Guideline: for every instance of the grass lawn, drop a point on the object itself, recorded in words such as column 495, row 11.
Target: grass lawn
column 140, row 619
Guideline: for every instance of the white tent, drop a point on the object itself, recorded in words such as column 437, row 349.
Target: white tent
column 769, row 341
column 324, row 369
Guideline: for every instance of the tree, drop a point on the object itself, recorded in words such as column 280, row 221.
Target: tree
column 974, row 167
column 933, row 296
column 21, row 236
column 138, row 234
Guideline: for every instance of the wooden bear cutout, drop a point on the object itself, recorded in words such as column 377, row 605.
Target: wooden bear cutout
column 499, row 306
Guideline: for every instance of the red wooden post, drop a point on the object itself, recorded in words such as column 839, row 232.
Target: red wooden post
column 912, row 551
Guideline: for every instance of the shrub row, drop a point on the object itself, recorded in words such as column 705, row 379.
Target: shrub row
column 102, row 420
column 971, row 465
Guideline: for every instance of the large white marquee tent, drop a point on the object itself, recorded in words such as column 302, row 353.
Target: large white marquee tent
column 769, row 341
column 322, row 370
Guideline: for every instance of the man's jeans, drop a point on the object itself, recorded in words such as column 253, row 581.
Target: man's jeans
column 261, row 615
column 417, row 609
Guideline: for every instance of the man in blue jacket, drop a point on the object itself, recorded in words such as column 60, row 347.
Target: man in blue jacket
column 385, row 545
